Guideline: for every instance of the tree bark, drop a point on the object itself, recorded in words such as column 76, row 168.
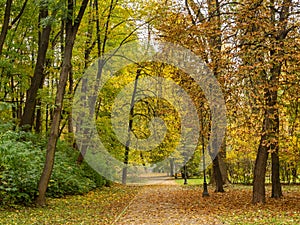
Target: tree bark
column 270, row 134
column 54, row 131
column 222, row 163
column 215, row 45
column 71, row 31
column 268, row 143
column 5, row 24
column 276, row 185
column 37, row 80
column 127, row 147
column 217, row 175
column 38, row 119
column 172, row 167
column 259, row 191
column 84, row 86
column 278, row 52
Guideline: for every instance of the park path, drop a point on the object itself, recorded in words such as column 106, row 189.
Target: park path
column 161, row 201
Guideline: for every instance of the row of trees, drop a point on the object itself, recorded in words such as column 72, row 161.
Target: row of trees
column 251, row 47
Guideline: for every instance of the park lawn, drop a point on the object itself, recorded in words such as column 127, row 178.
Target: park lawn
column 276, row 211
column 97, row 207
column 190, row 181
column 235, row 207
column 104, row 205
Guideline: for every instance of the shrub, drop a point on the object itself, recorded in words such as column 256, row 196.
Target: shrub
column 21, row 164
column 22, row 157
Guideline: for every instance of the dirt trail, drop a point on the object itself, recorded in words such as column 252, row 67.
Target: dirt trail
column 161, row 201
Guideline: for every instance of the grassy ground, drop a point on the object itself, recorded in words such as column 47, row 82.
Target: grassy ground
column 97, row 207
column 191, row 181
column 237, row 200
column 103, row 206
column 234, row 206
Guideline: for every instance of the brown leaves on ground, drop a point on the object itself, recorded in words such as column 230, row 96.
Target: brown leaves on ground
column 97, row 207
column 165, row 205
column 161, row 204
column 185, row 205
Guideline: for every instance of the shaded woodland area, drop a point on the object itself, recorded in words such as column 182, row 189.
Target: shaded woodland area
column 252, row 48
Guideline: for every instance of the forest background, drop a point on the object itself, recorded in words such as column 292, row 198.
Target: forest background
column 251, row 47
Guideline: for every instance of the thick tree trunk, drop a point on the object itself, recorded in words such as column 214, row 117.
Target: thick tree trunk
column 270, row 134
column 222, row 168
column 126, row 159
column 259, row 191
column 278, row 52
column 217, row 175
column 70, row 120
column 268, row 143
column 27, row 119
column 71, row 31
column 276, row 185
column 222, row 164
column 215, row 43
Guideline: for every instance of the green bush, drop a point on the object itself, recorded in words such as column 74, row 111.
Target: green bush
column 22, row 157
column 20, row 168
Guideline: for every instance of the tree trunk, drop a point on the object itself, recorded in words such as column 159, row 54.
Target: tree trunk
column 91, row 106
column 27, row 119
column 5, row 24
column 222, row 164
column 84, row 87
column 276, row 185
column 127, row 148
column 38, row 119
column 215, row 44
column 217, row 175
column 259, row 191
column 278, row 52
column 71, row 31
column 268, row 143
column 270, row 134
column 172, row 167
column 54, row 130
column 294, row 174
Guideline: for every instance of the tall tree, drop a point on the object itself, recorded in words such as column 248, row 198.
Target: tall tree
column 7, row 17
column 37, row 80
column 270, row 132
column 72, row 25
column 277, row 53
column 129, row 130
column 213, row 38
column 5, row 24
column 109, row 33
